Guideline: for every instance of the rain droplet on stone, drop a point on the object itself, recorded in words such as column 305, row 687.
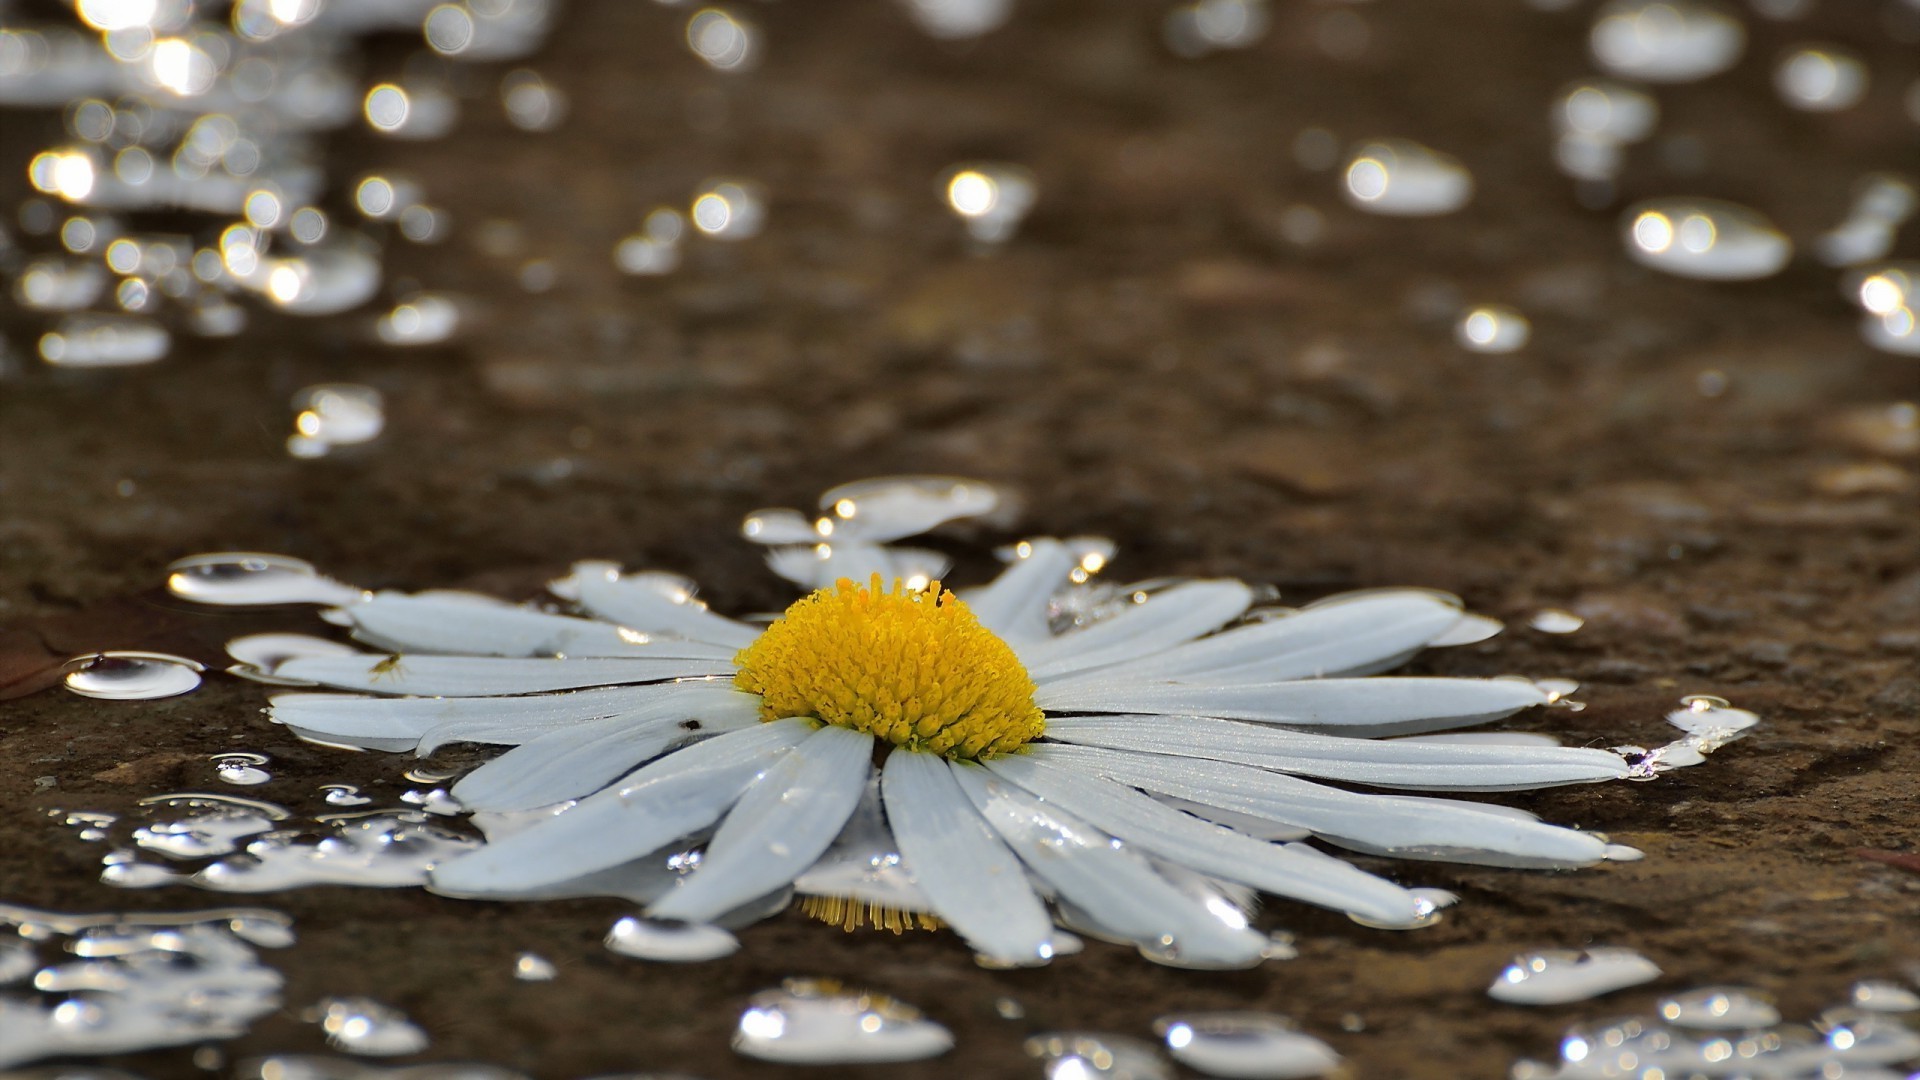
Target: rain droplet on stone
column 344, row 795
column 1666, row 41
column 55, row 283
column 1882, row 995
column 531, row 967
column 1555, row 621
column 1492, row 328
column 89, row 341
column 241, row 769
column 1403, row 178
column 1074, row 1055
column 1706, row 239
column 811, row 1022
column 361, row 1025
column 991, row 198
column 532, row 103
column 1719, row 1008
column 1555, row 977
column 132, row 676
column 424, row 319
column 1245, row 1045
column 415, row 111
column 1821, row 78
column 670, row 942
column 1196, row 29
column 1882, row 203
column 729, row 210
column 726, row 42
column 335, row 414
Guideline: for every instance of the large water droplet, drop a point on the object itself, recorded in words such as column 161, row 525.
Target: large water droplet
column 1822, row 78
column 1401, row 177
column 87, row 341
column 992, row 198
column 247, row 577
column 1555, row 977
column 670, row 942
column 1705, row 238
column 809, row 1022
column 241, row 769
column 132, row 676
column 1492, row 328
column 1666, row 40
column 1074, row 1055
column 1718, row 1008
column 1249, row 1045
column 335, row 414
column 361, row 1025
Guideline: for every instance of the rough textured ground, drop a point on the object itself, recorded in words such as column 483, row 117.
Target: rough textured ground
column 1150, row 359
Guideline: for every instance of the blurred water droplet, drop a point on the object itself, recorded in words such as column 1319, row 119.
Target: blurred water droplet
column 1074, row 1055
column 655, row 249
column 324, row 279
column 1204, row 26
column 1556, row 621
column 1249, row 1045
column 52, row 283
column 241, row 769
column 361, row 1025
column 809, row 1022
column 532, row 103
column 1719, row 1008
column 344, row 795
column 670, row 942
column 1666, row 40
column 729, row 210
column 1492, row 328
column 132, row 676
column 413, row 110
column 85, row 341
column 953, row 20
column 1706, row 239
column 1556, row 977
column 725, row 41
column 1402, row 178
column 335, row 414
column 531, row 967
column 424, row 319
column 1881, row 995
column 246, row 577
column 1882, row 204
column 1821, row 78
column 991, row 198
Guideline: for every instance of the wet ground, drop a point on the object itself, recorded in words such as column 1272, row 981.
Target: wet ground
column 1715, row 476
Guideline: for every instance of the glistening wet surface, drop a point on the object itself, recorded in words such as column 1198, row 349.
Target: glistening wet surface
column 1191, row 341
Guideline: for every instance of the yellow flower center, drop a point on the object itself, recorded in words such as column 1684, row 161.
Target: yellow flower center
column 912, row 667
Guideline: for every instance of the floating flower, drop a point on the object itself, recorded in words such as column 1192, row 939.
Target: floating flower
column 1131, row 762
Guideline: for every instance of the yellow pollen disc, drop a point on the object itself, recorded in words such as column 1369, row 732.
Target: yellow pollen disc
column 912, row 667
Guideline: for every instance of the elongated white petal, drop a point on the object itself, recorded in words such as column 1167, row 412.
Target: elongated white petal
column 662, row 802
column 431, row 722
column 1408, row 828
column 780, row 826
column 1114, row 885
column 700, row 707
column 1381, row 763
column 1162, row 621
column 1375, row 706
column 583, row 758
column 969, row 876
column 484, row 676
column 1331, row 638
column 1207, row 848
column 651, row 603
column 460, row 625
column 1014, row 605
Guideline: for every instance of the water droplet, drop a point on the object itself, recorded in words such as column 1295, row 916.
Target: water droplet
column 424, row 319
column 1881, row 995
column 1074, row 1055
column 809, row 1022
column 729, row 210
column 1719, row 1008
column 670, row 942
column 86, row 341
column 953, row 20
column 1705, row 238
column 246, row 577
column 1253, row 1045
column 1555, row 621
column 531, row 967
column 334, row 414
column 361, row 1025
column 1556, row 977
column 344, row 795
column 1196, row 29
column 532, row 103
column 132, row 676
column 1881, row 205
column 725, row 41
column 991, row 198
column 212, row 825
column 324, row 279
column 1665, row 40
column 1492, row 328
column 55, row 283
column 1822, row 78
column 241, row 769
column 417, row 110
column 1402, row 178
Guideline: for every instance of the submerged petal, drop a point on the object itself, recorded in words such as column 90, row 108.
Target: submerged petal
column 969, row 876
column 780, row 826
column 484, row 676
column 651, row 603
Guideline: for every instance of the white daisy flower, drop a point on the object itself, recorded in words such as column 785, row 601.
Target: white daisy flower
column 1136, row 763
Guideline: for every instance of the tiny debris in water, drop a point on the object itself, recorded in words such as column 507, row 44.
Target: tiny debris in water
column 819, row 1022
column 1555, row 977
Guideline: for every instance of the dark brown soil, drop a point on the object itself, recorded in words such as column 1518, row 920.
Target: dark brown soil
column 1150, row 359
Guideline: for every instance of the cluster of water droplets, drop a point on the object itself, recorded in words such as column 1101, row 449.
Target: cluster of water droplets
column 1724, row 1031
column 1707, row 723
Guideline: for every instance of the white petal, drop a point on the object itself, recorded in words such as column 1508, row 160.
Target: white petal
column 664, row 801
column 1207, row 848
column 487, row 676
column 891, row 507
column 969, row 876
column 1374, row 706
column 651, row 603
column 1408, row 828
column 462, row 624
column 1337, row 637
column 1014, row 605
column 577, row 760
column 779, row 526
column 1162, row 621
column 1382, row 763
column 705, row 707
column 1114, row 885
column 780, row 826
